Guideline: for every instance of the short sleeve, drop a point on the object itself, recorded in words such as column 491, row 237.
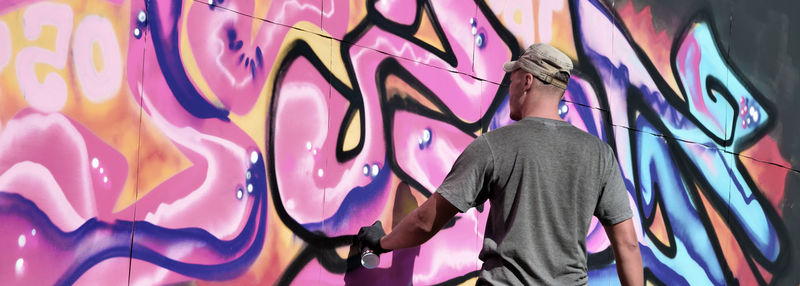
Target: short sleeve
column 612, row 206
column 467, row 184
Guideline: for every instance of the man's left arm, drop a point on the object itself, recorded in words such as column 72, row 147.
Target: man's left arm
column 421, row 224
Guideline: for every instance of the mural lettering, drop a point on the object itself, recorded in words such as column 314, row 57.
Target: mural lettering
column 248, row 141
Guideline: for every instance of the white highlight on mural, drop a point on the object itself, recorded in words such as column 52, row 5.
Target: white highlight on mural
column 104, row 84
column 563, row 109
column 375, row 170
column 21, row 240
column 754, row 114
column 19, row 266
column 253, row 157
column 299, row 8
column 95, row 163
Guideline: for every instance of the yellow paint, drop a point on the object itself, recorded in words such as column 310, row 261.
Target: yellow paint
column 259, row 11
column 254, row 122
column 471, row 281
column 11, row 100
column 518, row 17
column 97, row 57
column 158, row 157
column 427, row 34
column 344, row 251
column 562, row 33
column 47, row 41
column 121, row 110
column 326, row 49
column 159, row 160
column 353, row 134
column 47, row 36
column 147, row 150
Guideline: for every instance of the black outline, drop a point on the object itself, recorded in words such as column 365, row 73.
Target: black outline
column 318, row 241
column 684, row 164
column 637, row 107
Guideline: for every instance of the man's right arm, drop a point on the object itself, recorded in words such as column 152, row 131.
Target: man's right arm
column 626, row 251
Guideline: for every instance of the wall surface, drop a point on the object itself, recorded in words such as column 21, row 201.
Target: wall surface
column 245, row 142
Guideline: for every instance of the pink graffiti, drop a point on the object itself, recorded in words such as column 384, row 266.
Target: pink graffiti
column 51, row 95
column 97, row 86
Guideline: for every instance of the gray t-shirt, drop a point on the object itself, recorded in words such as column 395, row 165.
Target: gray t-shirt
column 544, row 179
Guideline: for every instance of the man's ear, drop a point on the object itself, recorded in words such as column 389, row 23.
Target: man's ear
column 528, row 81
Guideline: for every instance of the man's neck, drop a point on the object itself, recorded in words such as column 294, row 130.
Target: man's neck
column 542, row 109
column 546, row 116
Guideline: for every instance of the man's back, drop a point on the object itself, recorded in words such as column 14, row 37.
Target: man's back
column 544, row 179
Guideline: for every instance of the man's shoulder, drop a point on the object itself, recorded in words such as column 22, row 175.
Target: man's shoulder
column 504, row 133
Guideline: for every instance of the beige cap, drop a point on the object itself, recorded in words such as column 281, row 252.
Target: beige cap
column 544, row 62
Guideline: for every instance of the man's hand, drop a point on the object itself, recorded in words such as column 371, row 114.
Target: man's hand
column 370, row 237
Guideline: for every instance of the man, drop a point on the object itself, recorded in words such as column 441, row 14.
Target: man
column 544, row 179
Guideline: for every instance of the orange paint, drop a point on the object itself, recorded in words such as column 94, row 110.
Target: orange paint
column 764, row 273
column 398, row 87
column 562, row 33
column 658, row 227
column 358, row 11
column 730, row 247
column 656, row 44
column 427, row 34
column 770, row 179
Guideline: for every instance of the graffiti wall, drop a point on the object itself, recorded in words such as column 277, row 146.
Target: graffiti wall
column 245, row 142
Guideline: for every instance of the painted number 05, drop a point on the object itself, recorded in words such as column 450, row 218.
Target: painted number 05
column 97, row 86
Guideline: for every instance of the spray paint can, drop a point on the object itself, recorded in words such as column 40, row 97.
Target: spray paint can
column 369, row 259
